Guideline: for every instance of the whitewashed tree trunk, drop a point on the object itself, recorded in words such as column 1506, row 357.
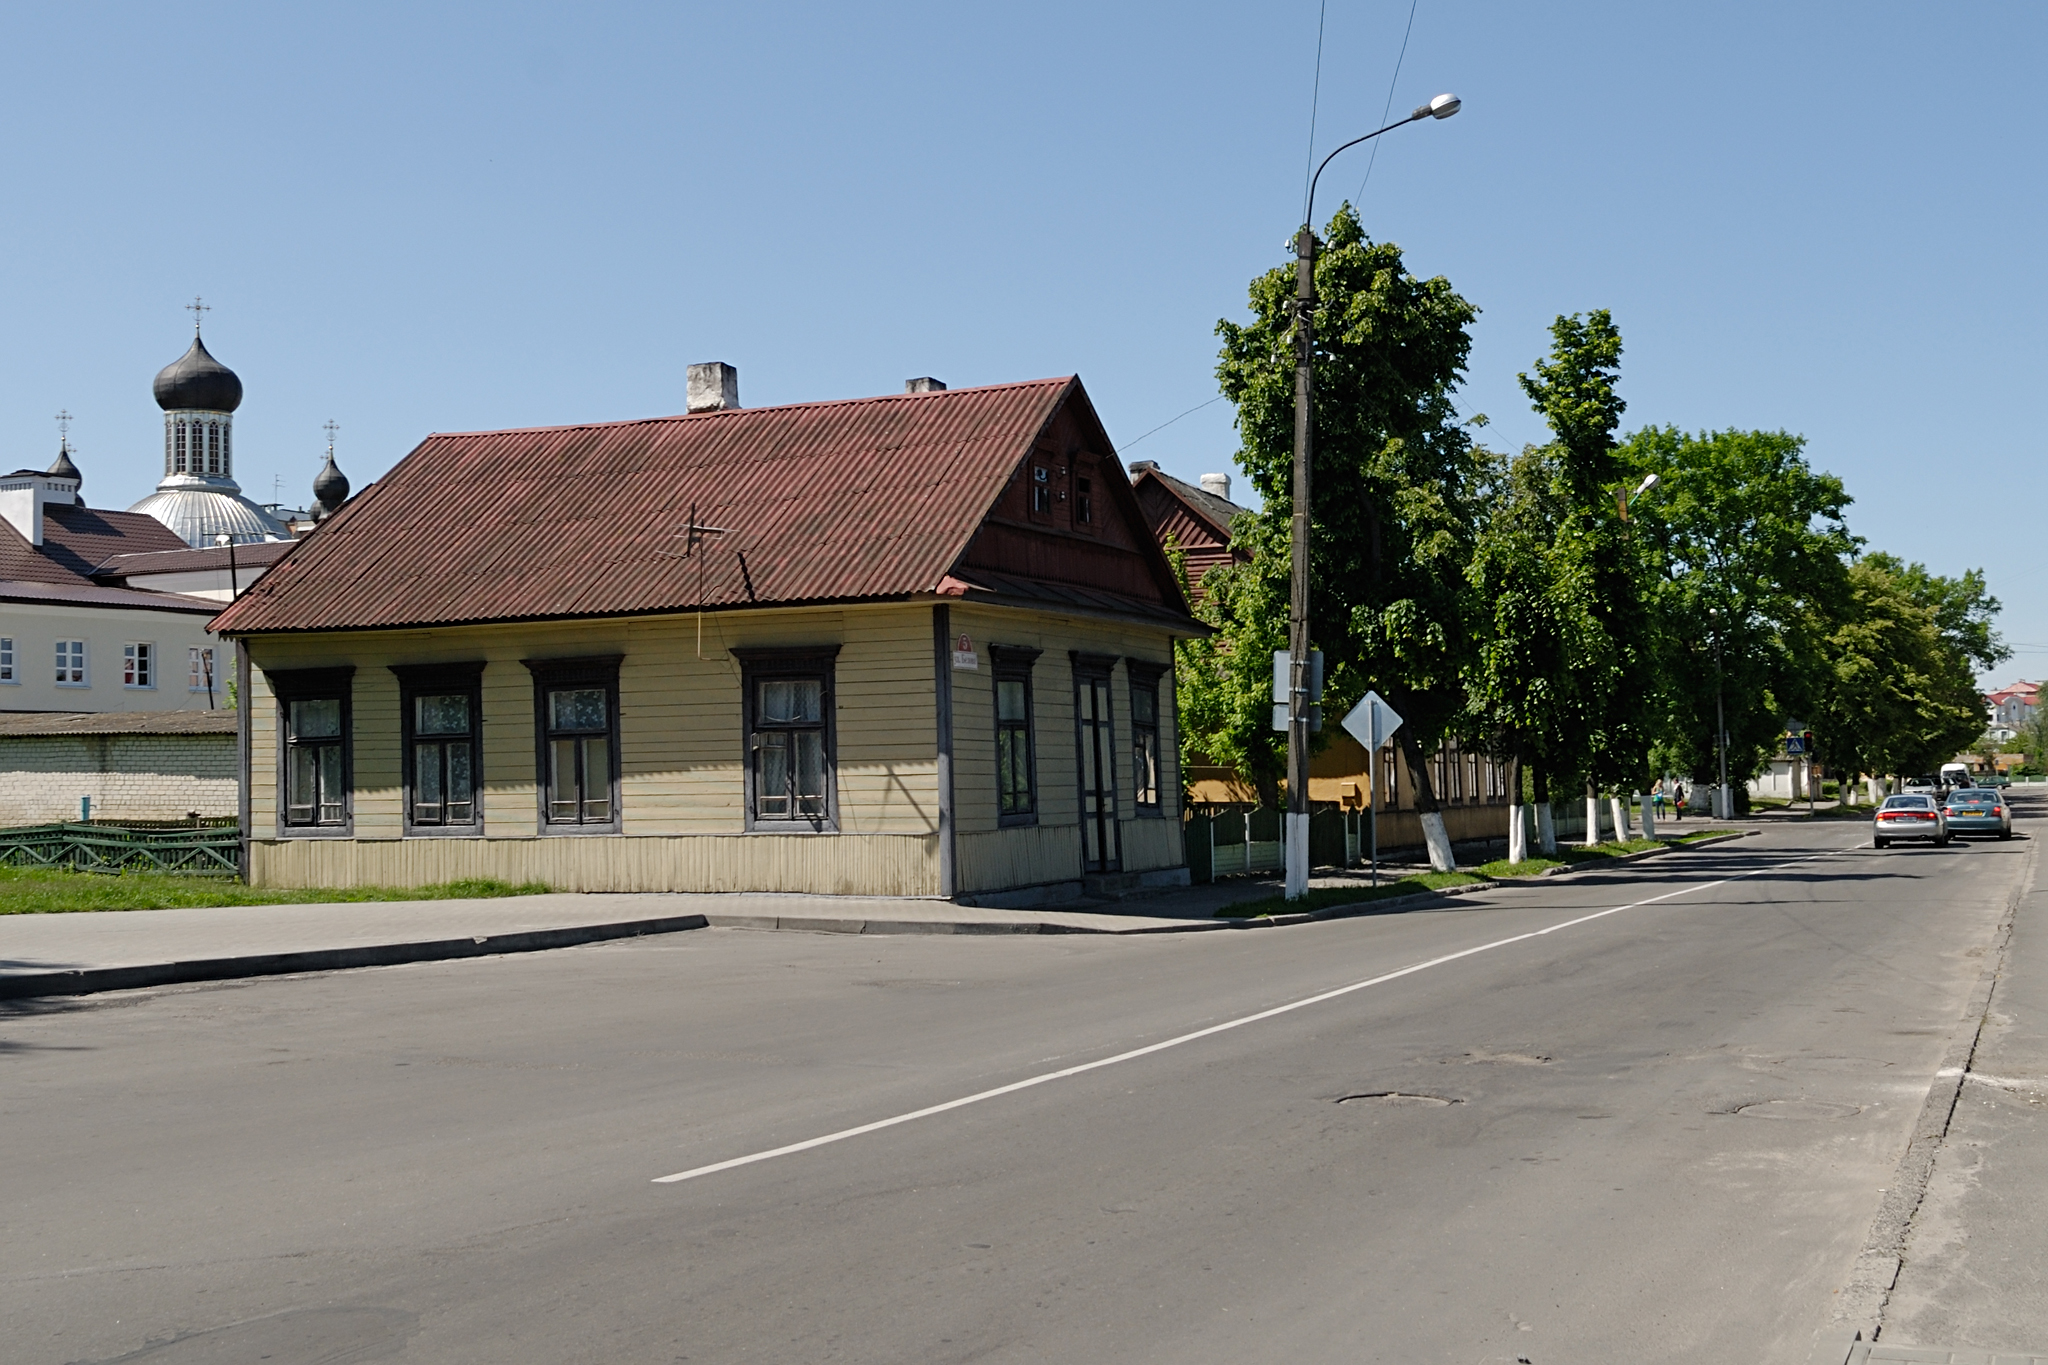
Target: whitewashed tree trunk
column 1620, row 812
column 1546, row 830
column 1518, row 832
column 1439, row 841
column 1649, row 815
column 1592, row 816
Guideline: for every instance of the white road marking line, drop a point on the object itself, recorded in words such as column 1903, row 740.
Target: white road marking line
column 1013, row 1087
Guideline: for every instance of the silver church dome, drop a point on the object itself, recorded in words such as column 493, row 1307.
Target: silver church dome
column 198, row 509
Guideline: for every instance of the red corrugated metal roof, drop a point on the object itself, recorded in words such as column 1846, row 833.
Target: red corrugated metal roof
column 185, row 559
column 76, row 540
column 843, row 501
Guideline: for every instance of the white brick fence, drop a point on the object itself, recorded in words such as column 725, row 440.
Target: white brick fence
column 128, row 775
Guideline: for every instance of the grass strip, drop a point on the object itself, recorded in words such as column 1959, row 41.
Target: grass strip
column 44, row 891
column 1323, row 897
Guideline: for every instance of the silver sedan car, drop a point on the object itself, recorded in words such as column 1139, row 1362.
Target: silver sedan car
column 1911, row 816
column 1978, row 810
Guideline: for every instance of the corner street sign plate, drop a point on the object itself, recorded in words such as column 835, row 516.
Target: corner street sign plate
column 1372, row 722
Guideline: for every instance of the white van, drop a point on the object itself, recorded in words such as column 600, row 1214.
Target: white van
column 1954, row 775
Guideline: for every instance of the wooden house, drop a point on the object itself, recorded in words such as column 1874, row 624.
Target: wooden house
column 919, row 644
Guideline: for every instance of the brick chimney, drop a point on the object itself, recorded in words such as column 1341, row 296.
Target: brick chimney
column 923, row 384
column 1218, row 484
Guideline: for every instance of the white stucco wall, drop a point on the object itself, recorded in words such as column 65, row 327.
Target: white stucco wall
column 35, row 628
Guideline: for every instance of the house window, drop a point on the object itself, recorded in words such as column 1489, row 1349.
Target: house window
column 314, row 760
column 791, row 773
column 1144, row 736
column 1084, row 502
column 71, row 663
column 1016, row 767
column 199, row 660
column 441, row 706
column 7, row 660
column 576, row 713
column 138, row 665
column 1041, row 490
column 1095, row 739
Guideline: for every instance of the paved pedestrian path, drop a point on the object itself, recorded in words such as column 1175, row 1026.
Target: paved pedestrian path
column 59, row 954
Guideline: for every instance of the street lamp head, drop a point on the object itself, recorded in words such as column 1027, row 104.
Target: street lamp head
column 223, row 539
column 1443, row 106
column 1649, row 481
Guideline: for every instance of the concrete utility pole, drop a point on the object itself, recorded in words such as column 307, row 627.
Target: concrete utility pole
column 1442, row 107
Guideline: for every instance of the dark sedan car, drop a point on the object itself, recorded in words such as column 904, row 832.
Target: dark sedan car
column 1978, row 810
column 1912, row 816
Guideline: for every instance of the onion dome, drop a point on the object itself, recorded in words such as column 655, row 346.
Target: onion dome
column 330, row 489
column 195, row 380
column 62, row 468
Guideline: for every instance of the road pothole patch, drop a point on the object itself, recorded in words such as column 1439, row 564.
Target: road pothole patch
column 1796, row 1110
column 1398, row 1099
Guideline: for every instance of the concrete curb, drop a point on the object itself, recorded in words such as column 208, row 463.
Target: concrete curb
column 813, row 924
column 91, row 980
column 1860, row 1307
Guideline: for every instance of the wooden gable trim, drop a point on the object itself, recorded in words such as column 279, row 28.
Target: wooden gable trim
column 1128, row 557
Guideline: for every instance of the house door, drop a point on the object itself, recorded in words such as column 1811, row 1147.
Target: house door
column 1100, row 851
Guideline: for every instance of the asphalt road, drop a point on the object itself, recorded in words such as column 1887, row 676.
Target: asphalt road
column 1658, row 1134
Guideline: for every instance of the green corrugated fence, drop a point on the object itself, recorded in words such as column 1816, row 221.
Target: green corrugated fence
column 205, row 852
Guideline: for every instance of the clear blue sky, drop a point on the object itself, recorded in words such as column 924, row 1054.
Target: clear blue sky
column 409, row 218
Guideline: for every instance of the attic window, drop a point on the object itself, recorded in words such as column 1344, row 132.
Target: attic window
column 1084, row 502
column 1041, row 490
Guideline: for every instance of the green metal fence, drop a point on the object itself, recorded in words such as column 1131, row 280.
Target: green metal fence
column 204, row 852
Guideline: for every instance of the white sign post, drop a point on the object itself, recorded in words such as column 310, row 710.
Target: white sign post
column 1372, row 723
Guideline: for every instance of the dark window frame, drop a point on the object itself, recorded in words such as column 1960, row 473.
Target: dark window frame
column 314, row 684
column 759, row 664
column 1143, row 677
column 1041, row 498
column 1089, row 670
column 600, row 670
column 1014, row 663
column 416, row 680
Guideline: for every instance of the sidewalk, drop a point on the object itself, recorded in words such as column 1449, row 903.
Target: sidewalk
column 63, row 954
column 1972, row 1270
column 75, row 954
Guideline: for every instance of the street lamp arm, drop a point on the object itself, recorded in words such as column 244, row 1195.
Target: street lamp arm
column 1310, row 215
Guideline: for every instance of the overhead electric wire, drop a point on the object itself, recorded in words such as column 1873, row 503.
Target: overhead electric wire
column 1171, row 420
column 1388, row 111
column 1315, row 98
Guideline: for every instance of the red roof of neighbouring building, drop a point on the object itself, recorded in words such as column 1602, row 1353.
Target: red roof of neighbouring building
column 76, row 540
column 866, row 499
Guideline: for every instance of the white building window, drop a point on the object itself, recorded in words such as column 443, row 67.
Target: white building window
column 202, row 669
column 71, row 663
column 7, row 660
column 138, row 665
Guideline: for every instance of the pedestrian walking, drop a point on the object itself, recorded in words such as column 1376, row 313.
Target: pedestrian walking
column 1678, row 798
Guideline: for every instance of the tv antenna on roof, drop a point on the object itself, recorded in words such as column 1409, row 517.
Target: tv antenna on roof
column 693, row 538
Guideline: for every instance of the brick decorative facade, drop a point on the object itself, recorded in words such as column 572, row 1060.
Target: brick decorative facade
column 128, row 777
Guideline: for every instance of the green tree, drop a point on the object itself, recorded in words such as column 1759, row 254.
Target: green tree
column 1751, row 550
column 1902, row 693
column 1394, row 509
column 1537, row 633
column 1604, row 737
